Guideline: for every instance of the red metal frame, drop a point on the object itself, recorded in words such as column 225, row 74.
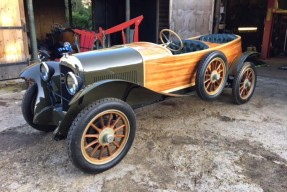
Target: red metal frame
column 87, row 38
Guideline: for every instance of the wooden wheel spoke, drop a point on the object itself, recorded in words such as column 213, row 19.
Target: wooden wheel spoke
column 208, row 85
column 212, row 66
column 92, row 136
column 109, row 150
column 219, row 66
column 102, row 121
column 220, row 71
column 242, row 90
column 116, row 122
column 246, row 92
column 213, row 86
column 207, row 74
column 116, row 144
column 208, row 80
column 209, row 68
column 96, row 128
column 101, row 152
column 91, row 144
column 95, row 151
column 119, row 136
column 120, row 127
column 110, row 119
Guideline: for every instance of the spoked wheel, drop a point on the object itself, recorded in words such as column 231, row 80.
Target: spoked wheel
column 244, row 83
column 211, row 75
column 101, row 135
column 168, row 39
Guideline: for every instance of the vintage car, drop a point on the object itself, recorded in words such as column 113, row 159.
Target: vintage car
column 89, row 97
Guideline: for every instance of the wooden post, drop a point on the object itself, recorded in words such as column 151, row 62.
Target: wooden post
column 268, row 30
column 33, row 38
column 216, row 16
column 70, row 13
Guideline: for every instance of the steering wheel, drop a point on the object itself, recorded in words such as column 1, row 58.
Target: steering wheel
column 167, row 37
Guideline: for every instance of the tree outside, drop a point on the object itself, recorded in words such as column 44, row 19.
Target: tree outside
column 82, row 14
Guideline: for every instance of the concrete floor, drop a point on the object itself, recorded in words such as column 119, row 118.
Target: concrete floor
column 181, row 144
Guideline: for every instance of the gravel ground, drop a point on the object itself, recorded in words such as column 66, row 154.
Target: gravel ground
column 181, row 144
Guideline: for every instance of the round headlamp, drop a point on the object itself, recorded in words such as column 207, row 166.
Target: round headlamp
column 73, row 83
column 44, row 70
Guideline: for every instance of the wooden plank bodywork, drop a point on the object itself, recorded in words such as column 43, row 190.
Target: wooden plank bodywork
column 165, row 72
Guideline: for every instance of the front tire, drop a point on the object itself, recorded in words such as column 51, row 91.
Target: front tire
column 244, row 83
column 211, row 76
column 101, row 135
column 28, row 104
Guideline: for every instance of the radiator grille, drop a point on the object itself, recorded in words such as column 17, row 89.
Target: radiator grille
column 128, row 76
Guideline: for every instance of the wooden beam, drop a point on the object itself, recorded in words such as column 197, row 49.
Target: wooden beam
column 70, row 13
column 268, row 30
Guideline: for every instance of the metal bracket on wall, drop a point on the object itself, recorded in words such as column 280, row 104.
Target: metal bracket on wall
column 13, row 27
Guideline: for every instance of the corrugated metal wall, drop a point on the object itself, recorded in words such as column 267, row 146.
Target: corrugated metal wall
column 191, row 17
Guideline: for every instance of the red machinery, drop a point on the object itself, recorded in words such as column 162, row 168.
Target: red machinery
column 87, row 38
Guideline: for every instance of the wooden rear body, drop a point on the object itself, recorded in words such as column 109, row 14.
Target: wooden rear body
column 166, row 72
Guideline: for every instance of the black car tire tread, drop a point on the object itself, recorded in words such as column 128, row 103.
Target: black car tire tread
column 28, row 103
column 201, row 68
column 236, row 83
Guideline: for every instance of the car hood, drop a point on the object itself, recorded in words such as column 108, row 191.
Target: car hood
column 114, row 57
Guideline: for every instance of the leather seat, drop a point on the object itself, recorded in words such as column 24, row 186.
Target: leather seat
column 218, row 38
column 189, row 46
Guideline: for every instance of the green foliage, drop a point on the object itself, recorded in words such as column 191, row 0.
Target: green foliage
column 82, row 15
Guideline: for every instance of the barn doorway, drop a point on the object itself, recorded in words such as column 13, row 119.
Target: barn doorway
column 246, row 18
column 108, row 13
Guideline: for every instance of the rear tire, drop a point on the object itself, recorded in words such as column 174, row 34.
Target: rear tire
column 28, row 104
column 244, row 83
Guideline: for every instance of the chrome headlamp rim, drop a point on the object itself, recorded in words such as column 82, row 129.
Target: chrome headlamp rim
column 72, row 90
column 44, row 74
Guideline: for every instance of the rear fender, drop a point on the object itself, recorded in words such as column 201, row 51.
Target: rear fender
column 239, row 62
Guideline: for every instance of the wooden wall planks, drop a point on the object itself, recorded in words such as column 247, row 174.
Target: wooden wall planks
column 191, row 17
column 13, row 42
column 47, row 13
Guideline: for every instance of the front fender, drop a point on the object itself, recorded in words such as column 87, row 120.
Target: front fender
column 129, row 92
column 33, row 71
column 135, row 95
column 239, row 61
column 43, row 100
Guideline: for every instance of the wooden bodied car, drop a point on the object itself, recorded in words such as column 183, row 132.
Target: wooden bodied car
column 89, row 97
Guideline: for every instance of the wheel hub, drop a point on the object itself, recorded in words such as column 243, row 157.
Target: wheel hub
column 247, row 83
column 107, row 136
column 215, row 76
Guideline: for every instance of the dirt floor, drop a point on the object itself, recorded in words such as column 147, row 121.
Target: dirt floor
column 181, row 144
